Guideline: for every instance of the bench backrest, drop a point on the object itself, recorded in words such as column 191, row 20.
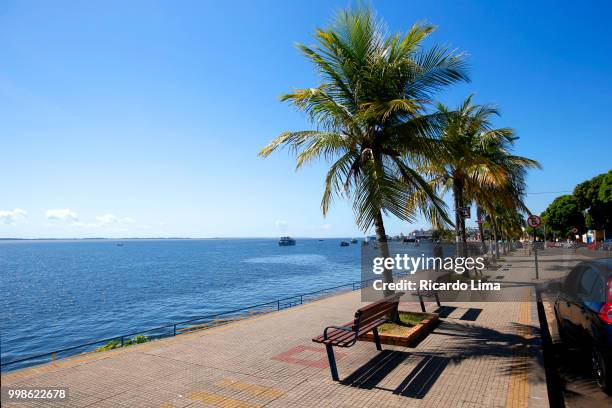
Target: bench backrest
column 376, row 310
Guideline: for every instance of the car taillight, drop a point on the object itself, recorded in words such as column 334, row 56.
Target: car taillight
column 605, row 313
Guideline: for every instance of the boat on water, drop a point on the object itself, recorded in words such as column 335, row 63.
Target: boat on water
column 344, row 243
column 286, row 241
column 353, row 241
column 119, row 244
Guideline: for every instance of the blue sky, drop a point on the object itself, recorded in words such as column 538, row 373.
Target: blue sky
column 144, row 118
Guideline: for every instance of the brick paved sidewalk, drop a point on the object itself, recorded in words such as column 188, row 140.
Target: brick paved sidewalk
column 492, row 361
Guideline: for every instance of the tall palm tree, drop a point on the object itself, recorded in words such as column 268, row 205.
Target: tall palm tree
column 370, row 116
column 464, row 132
column 502, row 199
column 477, row 163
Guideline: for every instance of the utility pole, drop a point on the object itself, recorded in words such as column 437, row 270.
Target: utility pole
column 535, row 254
column 534, row 222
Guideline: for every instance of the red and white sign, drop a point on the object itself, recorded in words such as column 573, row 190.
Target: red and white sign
column 575, row 230
column 534, row 221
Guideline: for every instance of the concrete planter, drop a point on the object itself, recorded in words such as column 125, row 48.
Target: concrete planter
column 411, row 338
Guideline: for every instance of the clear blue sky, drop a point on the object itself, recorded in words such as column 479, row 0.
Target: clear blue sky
column 144, row 118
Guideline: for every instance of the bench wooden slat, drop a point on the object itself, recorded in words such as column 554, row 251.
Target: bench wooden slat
column 340, row 338
column 378, row 315
column 382, row 303
column 336, row 334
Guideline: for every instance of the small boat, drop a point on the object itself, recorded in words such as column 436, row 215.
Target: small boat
column 286, row 241
column 344, row 243
column 120, row 244
column 353, row 241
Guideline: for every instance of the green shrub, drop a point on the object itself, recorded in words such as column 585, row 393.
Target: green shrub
column 137, row 340
column 113, row 344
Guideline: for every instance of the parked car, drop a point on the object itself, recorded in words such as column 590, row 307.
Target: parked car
column 583, row 309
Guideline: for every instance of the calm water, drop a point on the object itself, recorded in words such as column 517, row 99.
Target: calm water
column 57, row 294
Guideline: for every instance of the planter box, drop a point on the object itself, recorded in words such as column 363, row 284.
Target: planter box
column 414, row 335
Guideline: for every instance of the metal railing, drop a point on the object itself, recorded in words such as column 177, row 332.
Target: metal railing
column 186, row 326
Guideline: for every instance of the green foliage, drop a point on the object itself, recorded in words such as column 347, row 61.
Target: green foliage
column 605, row 189
column 113, row 344
column 137, row 340
column 592, row 199
column 479, row 165
column 370, row 115
column 443, row 235
column 595, row 199
column 563, row 214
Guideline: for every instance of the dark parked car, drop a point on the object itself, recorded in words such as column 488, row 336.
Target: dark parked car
column 583, row 309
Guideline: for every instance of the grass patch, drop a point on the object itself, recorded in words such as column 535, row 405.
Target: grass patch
column 407, row 321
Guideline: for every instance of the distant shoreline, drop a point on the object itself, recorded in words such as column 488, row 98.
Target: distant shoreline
column 154, row 238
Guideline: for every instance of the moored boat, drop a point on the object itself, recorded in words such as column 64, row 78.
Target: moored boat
column 286, row 241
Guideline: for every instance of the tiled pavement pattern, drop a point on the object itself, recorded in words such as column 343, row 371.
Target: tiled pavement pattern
column 270, row 361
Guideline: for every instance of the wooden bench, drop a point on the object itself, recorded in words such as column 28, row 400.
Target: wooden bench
column 367, row 319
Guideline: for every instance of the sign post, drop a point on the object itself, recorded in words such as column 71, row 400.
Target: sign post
column 534, row 222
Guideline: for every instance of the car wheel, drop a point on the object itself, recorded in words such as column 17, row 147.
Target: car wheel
column 601, row 371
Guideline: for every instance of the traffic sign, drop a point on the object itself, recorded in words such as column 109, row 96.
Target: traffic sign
column 534, row 221
column 575, row 230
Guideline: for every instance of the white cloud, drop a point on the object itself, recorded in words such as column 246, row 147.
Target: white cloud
column 112, row 219
column 62, row 214
column 12, row 217
column 71, row 217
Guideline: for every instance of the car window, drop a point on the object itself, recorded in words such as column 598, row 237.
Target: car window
column 571, row 282
column 598, row 293
column 587, row 281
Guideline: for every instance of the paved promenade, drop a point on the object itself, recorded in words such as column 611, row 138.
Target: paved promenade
column 489, row 357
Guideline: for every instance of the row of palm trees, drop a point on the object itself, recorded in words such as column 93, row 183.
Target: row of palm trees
column 392, row 150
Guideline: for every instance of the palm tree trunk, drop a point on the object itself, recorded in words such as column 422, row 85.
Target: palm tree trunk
column 494, row 223
column 381, row 237
column 481, row 228
column 460, row 237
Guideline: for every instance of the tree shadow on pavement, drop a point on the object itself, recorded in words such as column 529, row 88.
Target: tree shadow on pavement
column 473, row 342
column 466, row 341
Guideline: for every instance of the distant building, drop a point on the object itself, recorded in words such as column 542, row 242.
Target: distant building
column 593, row 236
column 421, row 234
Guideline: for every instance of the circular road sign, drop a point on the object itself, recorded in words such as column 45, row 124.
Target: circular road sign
column 575, row 230
column 534, row 221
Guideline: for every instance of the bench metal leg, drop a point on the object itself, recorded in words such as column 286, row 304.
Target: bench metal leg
column 332, row 362
column 422, row 303
column 438, row 300
column 377, row 339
